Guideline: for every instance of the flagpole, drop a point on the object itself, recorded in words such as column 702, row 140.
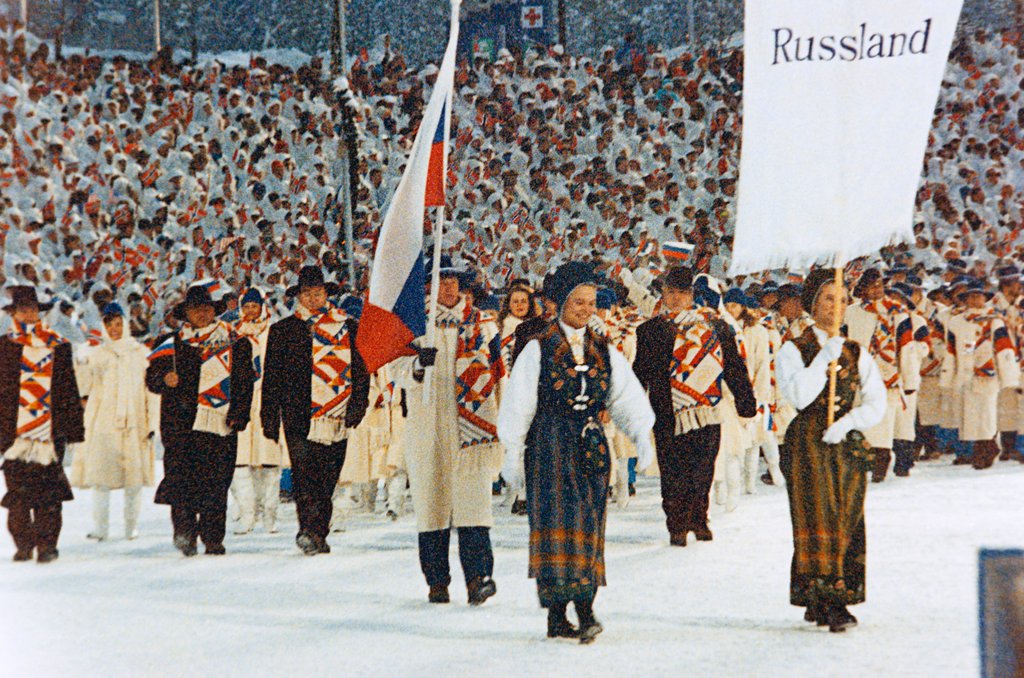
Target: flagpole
column 837, row 321
column 435, row 270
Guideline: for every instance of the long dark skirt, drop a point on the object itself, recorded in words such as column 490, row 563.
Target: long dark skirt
column 198, row 468
column 826, row 504
column 567, row 507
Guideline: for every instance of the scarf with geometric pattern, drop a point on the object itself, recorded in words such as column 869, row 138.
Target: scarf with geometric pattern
column 214, row 344
column 697, row 369
column 34, row 409
column 332, row 372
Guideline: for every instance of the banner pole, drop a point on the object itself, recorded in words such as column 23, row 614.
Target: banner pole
column 837, row 322
column 435, row 283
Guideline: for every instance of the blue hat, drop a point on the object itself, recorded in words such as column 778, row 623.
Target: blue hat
column 113, row 309
column 902, row 289
column 736, row 296
column 703, row 295
column 567, row 278
column 914, row 281
column 770, row 287
column 1008, row 273
column 252, row 296
column 605, row 298
column 975, row 286
column 957, row 265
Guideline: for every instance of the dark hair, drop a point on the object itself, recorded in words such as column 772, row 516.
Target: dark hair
column 506, row 308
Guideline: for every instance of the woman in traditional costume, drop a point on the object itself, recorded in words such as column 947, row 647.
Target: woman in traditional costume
column 565, row 384
column 825, row 466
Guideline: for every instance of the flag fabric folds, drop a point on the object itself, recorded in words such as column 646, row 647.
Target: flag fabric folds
column 396, row 310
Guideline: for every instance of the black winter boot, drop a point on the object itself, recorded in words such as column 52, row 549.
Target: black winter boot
column 480, row 589
column 589, row 626
column 438, row 594
column 558, row 623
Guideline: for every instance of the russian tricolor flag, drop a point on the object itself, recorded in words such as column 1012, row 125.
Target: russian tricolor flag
column 395, row 313
column 677, row 251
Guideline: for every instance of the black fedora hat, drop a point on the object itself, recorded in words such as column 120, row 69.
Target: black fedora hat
column 197, row 295
column 25, row 295
column 312, row 276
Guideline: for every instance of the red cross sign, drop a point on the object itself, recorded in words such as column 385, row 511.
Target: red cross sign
column 532, row 17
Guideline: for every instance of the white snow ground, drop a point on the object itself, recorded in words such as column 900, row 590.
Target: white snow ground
column 140, row 609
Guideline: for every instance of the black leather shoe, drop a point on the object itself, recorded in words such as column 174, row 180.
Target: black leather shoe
column 215, row 549
column 558, row 624
column 480, row 589
column 22, row 556
column 307, row 544
column 47, row 555
column 186, row 544
column 678, row 539
column 438, row 594
column 703, row 533
column 590, row 628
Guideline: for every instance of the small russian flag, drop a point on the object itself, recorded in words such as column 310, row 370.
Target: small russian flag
column 164, row 350
column 677, row 251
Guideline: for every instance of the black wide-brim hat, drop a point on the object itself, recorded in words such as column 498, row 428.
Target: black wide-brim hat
column 25, row 295
column 197, row 295
column 312, row 276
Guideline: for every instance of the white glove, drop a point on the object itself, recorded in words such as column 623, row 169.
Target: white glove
column 626, row 276
column 644, row 454
column 836, row 433
column 832, row 349
column 511, row 469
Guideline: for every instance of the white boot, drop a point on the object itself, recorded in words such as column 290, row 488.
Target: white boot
column 771, row 455
column 271, row 497
column 750, row 469
column 132, row 506
column 341, row 503
column 396, row 494
column 369, row 492
column 733, row 481
column 100, row 514
column 622, row 484
column 245, row 497
column 719, row 490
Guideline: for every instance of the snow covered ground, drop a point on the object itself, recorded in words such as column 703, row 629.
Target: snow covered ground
column 139, row 608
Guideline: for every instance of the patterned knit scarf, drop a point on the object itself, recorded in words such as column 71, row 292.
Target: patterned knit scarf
column 214, row 345
column 251, row 330
column 476, row 358
column 696, row 370
column 332, row 372
column 34, row 409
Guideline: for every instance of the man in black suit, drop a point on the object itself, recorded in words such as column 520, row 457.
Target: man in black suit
column 687, row 433
column 315, row 407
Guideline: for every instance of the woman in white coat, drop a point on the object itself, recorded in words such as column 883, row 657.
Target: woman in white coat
column 118, row 449
column 519, row 305
column 257, row 480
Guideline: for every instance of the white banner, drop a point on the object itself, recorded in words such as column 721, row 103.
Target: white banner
column 838, row 99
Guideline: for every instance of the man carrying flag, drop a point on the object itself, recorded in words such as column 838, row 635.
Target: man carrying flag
column 453, row 455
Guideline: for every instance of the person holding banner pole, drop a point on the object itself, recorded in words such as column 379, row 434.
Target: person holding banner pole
column 451, row 446
column 838, row 391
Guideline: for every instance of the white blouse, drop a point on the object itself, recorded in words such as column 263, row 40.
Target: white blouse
column 627, row 401
column 801, row 385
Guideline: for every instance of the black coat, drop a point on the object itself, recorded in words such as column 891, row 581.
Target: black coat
column 288, row 379
column 178, row 405
column 68, row 422
column 655, row 340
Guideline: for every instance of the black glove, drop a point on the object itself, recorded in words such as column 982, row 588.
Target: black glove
column 237, row 425
column 427, row 356
column 417, row 375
